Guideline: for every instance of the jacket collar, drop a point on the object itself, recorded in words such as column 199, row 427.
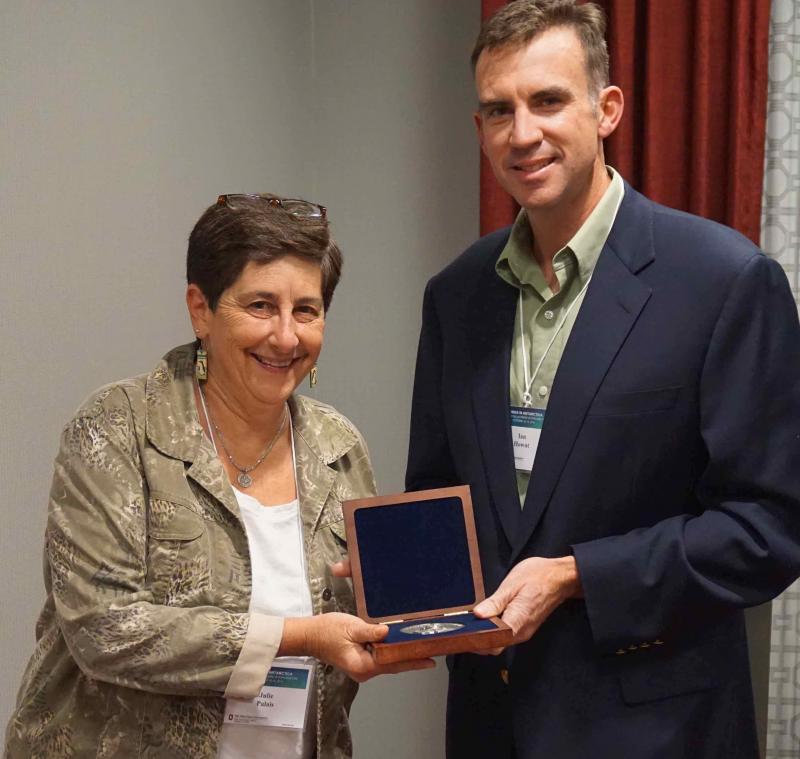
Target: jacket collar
column 631, row 237
column 608, row 313
column 321, row 429
column 320, row 438
column 610, row 308
column 171, row 422
column 173, row 427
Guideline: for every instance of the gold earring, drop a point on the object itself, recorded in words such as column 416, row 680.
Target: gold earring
column 201, row 363
column 312, row 377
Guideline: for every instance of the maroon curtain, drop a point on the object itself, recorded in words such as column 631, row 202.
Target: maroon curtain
column 694, row 75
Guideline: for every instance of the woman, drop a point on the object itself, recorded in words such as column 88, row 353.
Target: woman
column 194, row 516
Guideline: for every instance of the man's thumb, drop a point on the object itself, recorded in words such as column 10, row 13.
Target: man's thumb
column 489, row 607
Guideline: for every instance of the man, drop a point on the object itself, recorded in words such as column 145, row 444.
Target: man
column 649, row 361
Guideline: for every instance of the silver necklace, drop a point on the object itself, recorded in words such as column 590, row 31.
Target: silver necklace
column 243, row 478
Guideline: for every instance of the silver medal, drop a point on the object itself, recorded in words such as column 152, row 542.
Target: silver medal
column 431, row 628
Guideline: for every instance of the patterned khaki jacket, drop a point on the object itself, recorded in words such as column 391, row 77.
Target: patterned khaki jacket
column 146, row 627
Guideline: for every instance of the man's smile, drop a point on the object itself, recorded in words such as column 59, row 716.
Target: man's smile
column 533, row 166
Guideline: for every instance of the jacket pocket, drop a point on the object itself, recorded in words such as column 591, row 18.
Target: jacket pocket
column 337, row 528
column 651, row 675
column 634, row 402
column 174, row 542
column 170, row 519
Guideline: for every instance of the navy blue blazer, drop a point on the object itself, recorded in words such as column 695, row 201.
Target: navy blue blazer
column 669, row 465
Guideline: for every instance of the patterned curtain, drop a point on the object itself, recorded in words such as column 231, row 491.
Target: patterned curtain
column 780, row 238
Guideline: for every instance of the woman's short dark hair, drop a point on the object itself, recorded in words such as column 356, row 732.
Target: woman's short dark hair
column 231, row 234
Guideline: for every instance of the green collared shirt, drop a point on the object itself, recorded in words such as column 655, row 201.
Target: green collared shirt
column 544, row 320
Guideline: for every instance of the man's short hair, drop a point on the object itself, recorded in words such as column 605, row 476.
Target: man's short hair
column 518, row 22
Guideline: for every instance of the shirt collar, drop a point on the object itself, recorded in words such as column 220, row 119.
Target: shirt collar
column 517, row 266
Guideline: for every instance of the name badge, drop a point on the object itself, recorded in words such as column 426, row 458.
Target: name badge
column 282, row 702
column 526, row 429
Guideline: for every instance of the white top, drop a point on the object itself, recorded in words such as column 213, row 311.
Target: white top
column 280, row 588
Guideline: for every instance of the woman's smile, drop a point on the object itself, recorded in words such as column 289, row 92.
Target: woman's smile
column 276, row 364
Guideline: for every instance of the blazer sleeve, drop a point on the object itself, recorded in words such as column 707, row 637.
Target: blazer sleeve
column 430, row 463
column 743, row 548
column 96, row 548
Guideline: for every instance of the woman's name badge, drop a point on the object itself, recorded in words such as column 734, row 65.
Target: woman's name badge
column 282, row 702
column 526, row 428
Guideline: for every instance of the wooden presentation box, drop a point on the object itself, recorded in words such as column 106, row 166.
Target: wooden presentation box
column 416, row 568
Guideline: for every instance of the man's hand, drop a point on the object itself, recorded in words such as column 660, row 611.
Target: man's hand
column 342, row 568
column 530, row 593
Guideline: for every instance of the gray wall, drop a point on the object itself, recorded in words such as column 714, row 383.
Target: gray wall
column 393, row 155
column 120, row 122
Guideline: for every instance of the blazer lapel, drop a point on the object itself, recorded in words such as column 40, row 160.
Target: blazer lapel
column 610, row 308
column 319, row 440
column 314, row 482
column 207, row 471
column 172, row 426
column 493, row 308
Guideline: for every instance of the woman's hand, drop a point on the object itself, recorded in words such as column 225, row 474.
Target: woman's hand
column 341, row 640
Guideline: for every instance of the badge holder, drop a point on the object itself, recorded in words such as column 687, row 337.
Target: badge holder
column 416, row 568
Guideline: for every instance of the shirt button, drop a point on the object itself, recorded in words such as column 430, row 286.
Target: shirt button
column 548, row 315
column 542, row 391
column 504, row 675
column 327, row 594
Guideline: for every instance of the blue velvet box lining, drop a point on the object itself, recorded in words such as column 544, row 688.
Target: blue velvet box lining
column 414, row 557
column 471, row 625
